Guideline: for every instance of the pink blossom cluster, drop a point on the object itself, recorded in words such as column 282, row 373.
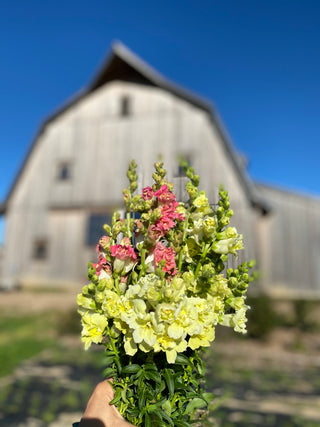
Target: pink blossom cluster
column 169, row 215
column 160, row 253
column 124, row 251
column 168, row 203
column 101, row 264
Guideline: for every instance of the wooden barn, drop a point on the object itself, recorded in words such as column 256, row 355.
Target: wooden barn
column 72, row 179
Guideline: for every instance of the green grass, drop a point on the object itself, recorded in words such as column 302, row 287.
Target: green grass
column 22, row 337
column 44, row 398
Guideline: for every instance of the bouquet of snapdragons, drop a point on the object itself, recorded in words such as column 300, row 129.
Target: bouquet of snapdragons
column 156, row 295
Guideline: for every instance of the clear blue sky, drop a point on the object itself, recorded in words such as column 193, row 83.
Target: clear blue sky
column 258, row 61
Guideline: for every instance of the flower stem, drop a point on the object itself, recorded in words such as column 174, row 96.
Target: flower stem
column 116, row 281
column 128, row 225
column 185, row 223
column 203, row 255
column 143, row 260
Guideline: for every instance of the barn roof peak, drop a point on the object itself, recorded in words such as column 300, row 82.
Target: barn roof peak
column 124, row 64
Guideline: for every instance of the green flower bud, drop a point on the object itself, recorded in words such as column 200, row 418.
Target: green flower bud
column 115, row 217
column 243, row 286
column 233, row 282
column 229, row 272
column 156, row 214
column 196, row 180
column 134, row 276
column 101, row 285
column 107, row 228
column 92, row 286
column 133, row 187
column 220, row 212
column 224, row 221
column 192, row 190
column 85, row 290
column 170, row 186
column 157, row 178
column 95, row 279
column 251, row 263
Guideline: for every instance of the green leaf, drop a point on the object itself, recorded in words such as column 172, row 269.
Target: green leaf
column 153, row 408
column 133, row 412
column 147, row 421
column 150, row 367
column 208, row 397
column 117, row 397
column 178, row 382
column 194, row 404
column 166, row 417
column 124, row 395
column 182, row 360
column 142, row 399
column 108, row 360
column 166, row 406
column 170, row 381
column 152, row 375
column 160, row 387
column 108, row 373
column 181, row 423
column 131, row 369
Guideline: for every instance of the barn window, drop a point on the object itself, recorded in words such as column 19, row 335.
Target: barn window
column 125, row 106
column 180, row 171
column 95, row 227
column 64, row 171
column 135, row 215
column 40, row 249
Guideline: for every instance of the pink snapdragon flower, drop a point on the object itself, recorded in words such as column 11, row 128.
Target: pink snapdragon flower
column 166, row 222
column 164, row 195
column 171, row 212
column 160, row 227
column 125, row 256
column 154, row 232
column 102, row 266
column 147, row 193
column 104, row 244
column 160, row 253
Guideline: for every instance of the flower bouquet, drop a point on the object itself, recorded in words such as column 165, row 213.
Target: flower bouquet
column 156, row 295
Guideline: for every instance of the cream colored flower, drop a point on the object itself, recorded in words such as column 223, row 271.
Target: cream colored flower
column 93, row 328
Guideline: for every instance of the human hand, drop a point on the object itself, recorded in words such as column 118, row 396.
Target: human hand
column 99, row 412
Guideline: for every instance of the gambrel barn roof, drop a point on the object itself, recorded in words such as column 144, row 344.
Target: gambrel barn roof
column 123, row 64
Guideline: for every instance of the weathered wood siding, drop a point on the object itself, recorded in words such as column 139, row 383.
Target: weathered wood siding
column 98, row 143
column 290, row 244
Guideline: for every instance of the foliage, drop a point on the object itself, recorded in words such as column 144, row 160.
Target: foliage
column 302, row 315
column 262, row 318
column 158, row 292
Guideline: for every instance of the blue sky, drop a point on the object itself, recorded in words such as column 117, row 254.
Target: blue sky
column 258, row 61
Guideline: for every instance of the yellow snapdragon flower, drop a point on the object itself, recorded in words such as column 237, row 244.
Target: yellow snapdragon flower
column 93, row 328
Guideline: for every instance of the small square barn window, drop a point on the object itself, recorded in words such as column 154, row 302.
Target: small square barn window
column 180, row 171
column 64, row 171
column 95, row 227
column 125, row 106
column 40, row 249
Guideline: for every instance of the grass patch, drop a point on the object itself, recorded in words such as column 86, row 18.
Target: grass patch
column 22, row 337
